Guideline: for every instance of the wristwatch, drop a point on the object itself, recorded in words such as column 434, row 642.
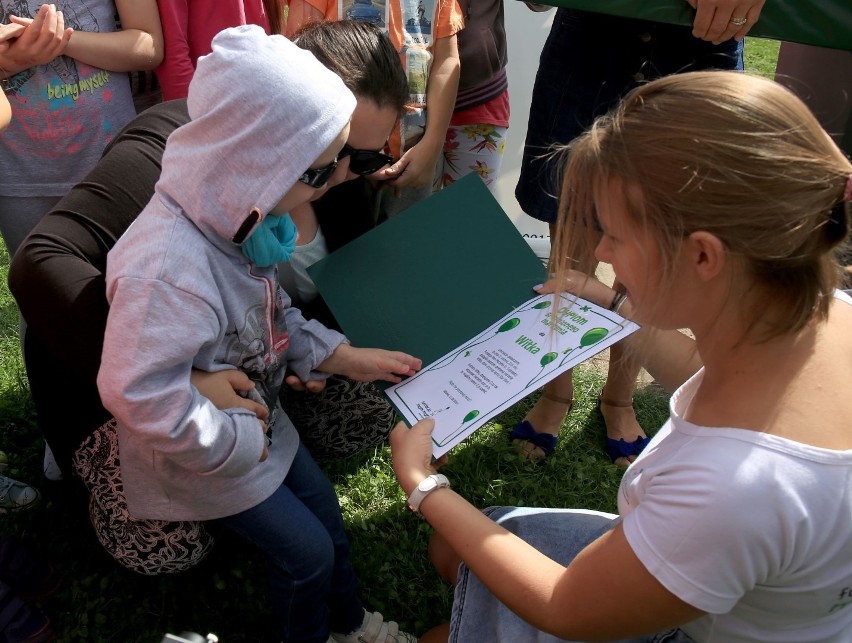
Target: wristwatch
column 424, row 488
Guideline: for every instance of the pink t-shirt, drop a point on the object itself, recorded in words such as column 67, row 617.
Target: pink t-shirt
column 188, row 36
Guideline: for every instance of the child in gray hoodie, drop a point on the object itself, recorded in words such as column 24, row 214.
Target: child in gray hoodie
column 193, row 284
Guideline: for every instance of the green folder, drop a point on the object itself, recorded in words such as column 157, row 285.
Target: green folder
column 824, row 23
column 432, row 277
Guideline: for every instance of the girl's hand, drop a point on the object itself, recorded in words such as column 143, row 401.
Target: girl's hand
column 713, row 18
column 43, row 38
column 370, row 364
column 7, row 33
column 582, row 285
column 223, row 388
column 415, row 169
column 412, row 453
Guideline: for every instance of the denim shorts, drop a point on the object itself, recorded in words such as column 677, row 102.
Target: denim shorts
column 588, row 63
column 478, row 617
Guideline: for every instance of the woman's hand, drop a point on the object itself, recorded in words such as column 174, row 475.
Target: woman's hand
column 412, row 453
column 721, row 20
column 582, row 285
column 370, row 364
column 223, row 388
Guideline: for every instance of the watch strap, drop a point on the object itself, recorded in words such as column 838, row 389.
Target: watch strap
column 424, row 488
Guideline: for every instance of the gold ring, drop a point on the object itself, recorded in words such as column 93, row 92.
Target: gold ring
column 739, row 22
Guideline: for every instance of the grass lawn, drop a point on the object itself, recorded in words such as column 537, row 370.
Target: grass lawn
column 100, row 601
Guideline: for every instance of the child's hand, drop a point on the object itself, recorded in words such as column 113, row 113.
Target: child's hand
column 412, row 453
column 7, row 33
column 369, row 364
column 223, row 388
column 415, row 169
column 311, row 386
column 43, row 38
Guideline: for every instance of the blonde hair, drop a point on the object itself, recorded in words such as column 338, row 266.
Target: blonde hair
column 727, row 153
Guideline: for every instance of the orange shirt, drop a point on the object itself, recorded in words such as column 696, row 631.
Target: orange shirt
column 412, row 25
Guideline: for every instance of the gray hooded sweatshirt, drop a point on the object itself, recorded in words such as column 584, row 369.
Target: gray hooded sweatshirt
column 182, row 294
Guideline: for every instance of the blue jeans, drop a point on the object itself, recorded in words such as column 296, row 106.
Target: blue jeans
column 478, row 617
column 312, row 585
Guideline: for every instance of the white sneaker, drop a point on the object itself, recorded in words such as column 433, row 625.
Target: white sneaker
column 15, row 495
column 374, row 629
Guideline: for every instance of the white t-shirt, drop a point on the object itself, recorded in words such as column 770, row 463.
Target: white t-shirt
column 293, row 275
column 752, row 528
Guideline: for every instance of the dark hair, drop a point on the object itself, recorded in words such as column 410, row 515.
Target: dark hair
column 362, row 55
column 275, row 15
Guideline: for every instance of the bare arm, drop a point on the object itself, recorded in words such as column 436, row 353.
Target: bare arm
column 137, row 47
column 594, row 598
column 6, row 32
column 40, row 40
column 416, row 168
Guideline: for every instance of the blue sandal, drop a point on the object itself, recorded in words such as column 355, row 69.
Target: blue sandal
column 525, row 431
column 621, row 448
column 616, row 449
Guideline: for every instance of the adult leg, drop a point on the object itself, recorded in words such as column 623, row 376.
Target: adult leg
column 300, row 529
column 616, row 405
column 345, row 418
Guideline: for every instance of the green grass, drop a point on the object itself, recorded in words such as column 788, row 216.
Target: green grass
column 761, row 56
column 99, row 601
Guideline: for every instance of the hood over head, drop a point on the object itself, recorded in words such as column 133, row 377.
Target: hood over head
column 262, row 111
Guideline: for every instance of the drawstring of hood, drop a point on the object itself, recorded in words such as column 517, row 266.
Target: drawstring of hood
column 272, row 241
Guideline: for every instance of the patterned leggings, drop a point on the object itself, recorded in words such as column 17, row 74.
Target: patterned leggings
column 472, row 148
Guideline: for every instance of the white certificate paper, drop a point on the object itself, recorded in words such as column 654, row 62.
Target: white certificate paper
column 518, row 354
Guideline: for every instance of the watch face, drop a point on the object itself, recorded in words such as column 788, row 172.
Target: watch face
column 427, row 483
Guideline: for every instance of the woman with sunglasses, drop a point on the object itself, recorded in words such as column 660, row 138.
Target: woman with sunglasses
column 345, row 416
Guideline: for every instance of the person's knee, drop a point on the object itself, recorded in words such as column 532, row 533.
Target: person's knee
column 311, row 564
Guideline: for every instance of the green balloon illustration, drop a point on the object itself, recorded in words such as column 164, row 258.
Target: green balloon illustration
column 544, row 361
column 506, row 325
column 541, row 304
column 593, row 336
column 509, row 325
column 470, row 416
column 548, row 357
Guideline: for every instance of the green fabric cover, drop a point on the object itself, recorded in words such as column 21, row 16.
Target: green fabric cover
column 824, row 23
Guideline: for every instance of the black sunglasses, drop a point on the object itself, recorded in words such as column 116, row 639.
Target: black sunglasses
column 364, row 161
column 317, row 178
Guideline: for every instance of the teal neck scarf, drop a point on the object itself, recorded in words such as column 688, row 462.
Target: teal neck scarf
column 272, row 242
